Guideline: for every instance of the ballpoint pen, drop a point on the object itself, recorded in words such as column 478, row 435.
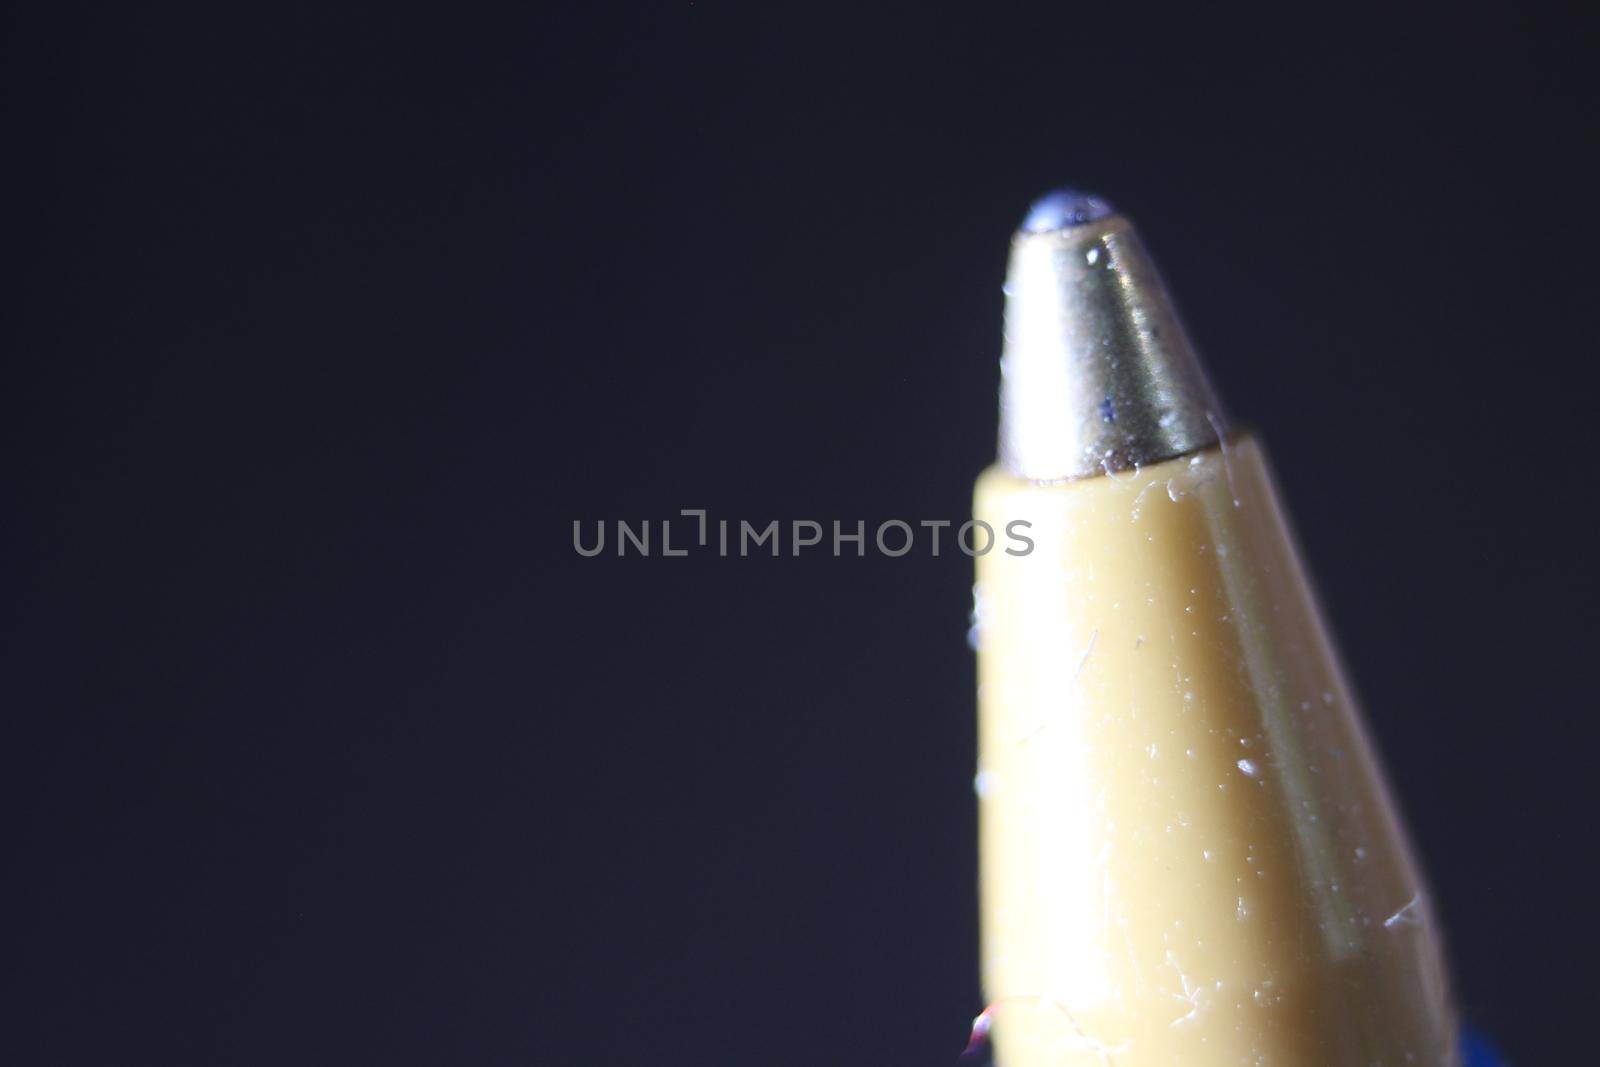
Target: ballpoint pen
column 1189, row 853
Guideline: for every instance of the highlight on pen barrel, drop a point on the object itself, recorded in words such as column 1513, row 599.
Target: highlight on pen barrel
column 1188, row 850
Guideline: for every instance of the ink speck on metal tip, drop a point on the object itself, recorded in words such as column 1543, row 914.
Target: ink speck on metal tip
column 1065, row 208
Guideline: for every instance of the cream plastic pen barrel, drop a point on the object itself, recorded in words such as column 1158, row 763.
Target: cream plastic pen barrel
column 1189, row 854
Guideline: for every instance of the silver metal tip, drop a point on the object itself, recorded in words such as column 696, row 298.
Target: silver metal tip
column 1064, row 208
column 1098, row 374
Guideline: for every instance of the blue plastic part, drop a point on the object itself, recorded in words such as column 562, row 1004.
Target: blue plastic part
column 1476, row 1052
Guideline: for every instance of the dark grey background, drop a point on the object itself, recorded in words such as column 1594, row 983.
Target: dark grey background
column 323, row 746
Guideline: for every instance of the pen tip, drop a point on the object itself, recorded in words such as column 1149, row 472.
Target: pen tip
column 1064, row 208
column 1098, row 374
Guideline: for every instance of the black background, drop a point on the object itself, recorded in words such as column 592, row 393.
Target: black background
column 324, row 746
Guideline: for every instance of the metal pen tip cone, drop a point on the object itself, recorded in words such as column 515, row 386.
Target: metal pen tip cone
column 1098, row 374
